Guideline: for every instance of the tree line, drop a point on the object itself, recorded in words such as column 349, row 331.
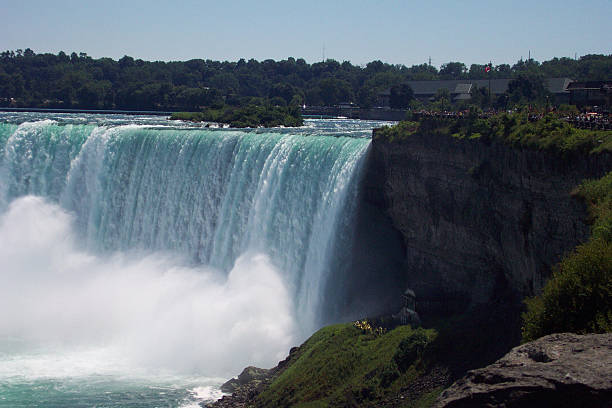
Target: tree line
column 48, row 80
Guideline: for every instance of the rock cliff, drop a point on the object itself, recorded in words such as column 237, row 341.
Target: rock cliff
column 480, row 221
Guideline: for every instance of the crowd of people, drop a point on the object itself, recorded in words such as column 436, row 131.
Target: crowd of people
column 591, row 121
column 587, row 120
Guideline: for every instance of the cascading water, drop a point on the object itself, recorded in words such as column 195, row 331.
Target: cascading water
column 185, row 250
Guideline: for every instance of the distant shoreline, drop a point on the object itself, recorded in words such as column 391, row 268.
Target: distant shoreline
column 92, row 111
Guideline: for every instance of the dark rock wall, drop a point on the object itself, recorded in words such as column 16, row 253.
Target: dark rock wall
column 479, row 221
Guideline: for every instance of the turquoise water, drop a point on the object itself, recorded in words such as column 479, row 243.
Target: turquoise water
column 100, row 391
column 144, row 261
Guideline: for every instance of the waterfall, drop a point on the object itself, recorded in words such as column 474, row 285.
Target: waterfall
column 209, row 195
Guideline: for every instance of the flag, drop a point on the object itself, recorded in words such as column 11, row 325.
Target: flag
column 487, row 68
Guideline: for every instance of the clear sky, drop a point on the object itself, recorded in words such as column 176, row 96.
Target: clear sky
column 398, row 32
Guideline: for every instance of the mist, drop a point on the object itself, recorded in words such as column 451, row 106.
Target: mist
column 148, row 311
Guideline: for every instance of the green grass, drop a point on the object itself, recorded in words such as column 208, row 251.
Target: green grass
column 426, row 400
column 344, row 365
column 548, row 133
column 578, row 296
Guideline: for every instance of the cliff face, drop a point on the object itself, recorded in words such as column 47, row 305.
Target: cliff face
column 479, row 221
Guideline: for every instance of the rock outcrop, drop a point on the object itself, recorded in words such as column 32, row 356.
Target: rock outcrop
column 250, row 374
column 249, row 384
column 479, row 220
column 559, row 370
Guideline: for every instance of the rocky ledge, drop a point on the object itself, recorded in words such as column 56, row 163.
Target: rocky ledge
column 560, row 370
column 249, row 384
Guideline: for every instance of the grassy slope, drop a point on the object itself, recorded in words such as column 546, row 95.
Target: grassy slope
column 342, row 365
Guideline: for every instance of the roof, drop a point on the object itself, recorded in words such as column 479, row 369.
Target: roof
column 463, row 86
column 463, row 89
column 558, row 85
column 463, row 97
column 498, row 86
column 584, row 85
column 409, row 292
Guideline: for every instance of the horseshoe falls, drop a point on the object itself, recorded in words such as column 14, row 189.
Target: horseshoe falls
column 145, row 262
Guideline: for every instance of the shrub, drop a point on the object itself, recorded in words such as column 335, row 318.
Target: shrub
column 578, row 296
column 388, row 375
column 410, row 349
column 251, row 115
column 400, row 131
column 549, row 132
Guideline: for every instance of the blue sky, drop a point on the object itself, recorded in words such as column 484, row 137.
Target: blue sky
column 399, row 32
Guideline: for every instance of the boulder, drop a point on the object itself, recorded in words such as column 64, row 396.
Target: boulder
column 559, row 370
column 249, row 374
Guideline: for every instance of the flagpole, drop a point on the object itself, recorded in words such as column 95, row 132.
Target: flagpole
column 490, row 67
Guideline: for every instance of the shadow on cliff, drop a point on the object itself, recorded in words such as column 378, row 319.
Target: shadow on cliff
column 477, row 337
column 370, row 280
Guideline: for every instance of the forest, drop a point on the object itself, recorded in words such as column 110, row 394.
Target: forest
column 47, row 80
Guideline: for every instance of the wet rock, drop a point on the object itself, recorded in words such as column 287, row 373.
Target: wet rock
column 247, row 375
column 251, row 382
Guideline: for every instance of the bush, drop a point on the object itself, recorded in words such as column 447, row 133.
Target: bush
column 410, row 349
column 251, row 115
column 547, row 133
column 388, row 375
column 578, row 296
column 400, row 131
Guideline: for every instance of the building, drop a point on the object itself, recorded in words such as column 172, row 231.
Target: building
column 591, row 93
column 461, row 89
column 408, row 314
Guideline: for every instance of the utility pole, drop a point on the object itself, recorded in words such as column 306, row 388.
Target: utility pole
column 430, row 60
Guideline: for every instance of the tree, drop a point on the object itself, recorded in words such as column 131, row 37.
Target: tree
column 35, row 80
column 333, row 91
column 442, row 100
column 282, row 90
column 400, row 97
column 453, row 70
column 480, row 97
column 478, row 71
column 423, row 72
column 527, row 89
column 124, row 62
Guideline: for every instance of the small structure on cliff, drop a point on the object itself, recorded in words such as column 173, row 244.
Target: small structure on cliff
column 408, row 314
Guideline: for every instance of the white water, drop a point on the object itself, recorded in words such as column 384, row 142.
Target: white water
column 144, row 311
